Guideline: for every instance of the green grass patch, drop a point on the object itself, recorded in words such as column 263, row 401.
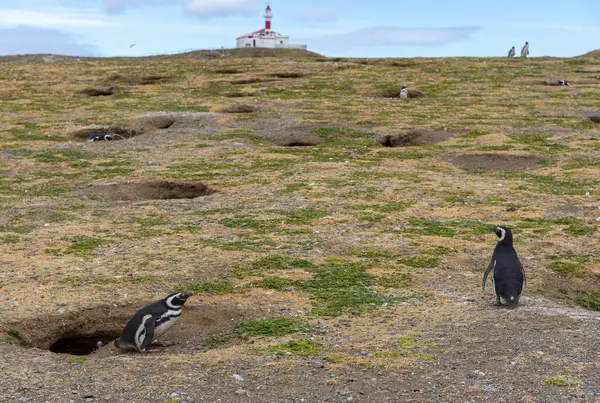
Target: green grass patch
column 564, row 381
column 273, row 327
column 589, row 300
column 13, row 336
column 294, row 348
column 269, row 264
column 60, row 217
column 151, row 221
column 81, row 246
column 77, row 360
column 339, row 287
column 4, row 239
column 395, row 280
column 56, row 156
column 274, row 283
column 250, row 223
column 303, row 217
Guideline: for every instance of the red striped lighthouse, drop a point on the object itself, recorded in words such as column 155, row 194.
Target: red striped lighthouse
column 268, row 17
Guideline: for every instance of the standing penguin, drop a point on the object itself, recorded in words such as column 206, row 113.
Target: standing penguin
column 508, row 276
column 404, row 92
column 151, row 322
column 511, row 52
column 525, row 50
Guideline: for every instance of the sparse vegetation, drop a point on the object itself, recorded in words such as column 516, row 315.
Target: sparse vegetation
column 272, row 327
column 207, row 287
column 299, row 348
column 364, row 242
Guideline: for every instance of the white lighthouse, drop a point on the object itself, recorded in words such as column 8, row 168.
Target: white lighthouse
column 266, row 37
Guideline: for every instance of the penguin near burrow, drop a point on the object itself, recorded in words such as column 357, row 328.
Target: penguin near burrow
column 404, row 93
column 151, row 322
column 508, row 276
column 100, row 137
column 564, row 83
column 511, row 52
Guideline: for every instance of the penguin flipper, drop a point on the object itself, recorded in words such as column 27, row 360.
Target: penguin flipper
column 149, row 338
column 488, row 270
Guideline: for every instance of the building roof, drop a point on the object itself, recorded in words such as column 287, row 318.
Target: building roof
column 264, row 32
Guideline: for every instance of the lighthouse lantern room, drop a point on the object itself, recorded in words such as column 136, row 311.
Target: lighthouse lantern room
column 266, row 37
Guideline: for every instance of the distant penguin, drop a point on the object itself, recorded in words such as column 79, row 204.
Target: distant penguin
column 525, row 50
column 404, row 92
column 151, row 322
column 100, row 137
column 564, row 82
column 508, row 276
column 511, row 52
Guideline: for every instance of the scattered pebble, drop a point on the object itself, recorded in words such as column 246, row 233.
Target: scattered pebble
column 241, row 392
column 238, row 377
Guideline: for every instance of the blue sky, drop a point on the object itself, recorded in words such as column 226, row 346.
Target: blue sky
column 375, row 28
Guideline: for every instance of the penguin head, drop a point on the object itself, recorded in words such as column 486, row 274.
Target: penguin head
column 504, row 234
column 404, row 87
column 176, row 300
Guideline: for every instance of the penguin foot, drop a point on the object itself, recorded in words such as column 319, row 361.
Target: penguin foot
column 163, row 343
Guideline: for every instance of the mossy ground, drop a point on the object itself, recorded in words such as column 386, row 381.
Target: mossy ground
column 355, row 241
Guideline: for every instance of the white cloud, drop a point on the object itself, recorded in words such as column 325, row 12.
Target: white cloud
column 390, row 36
column 51, row 19
column 322, row 14
column 222, row 8
column 30, row 40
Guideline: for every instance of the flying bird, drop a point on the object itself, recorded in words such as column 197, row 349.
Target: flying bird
column 132, row 45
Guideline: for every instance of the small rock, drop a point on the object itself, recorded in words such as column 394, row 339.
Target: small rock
column 478, row 373
column 238, row 377
column 241, row 392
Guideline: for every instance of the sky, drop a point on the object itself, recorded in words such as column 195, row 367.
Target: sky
column 347, row 28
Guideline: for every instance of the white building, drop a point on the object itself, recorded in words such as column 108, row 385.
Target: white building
column 266, row 37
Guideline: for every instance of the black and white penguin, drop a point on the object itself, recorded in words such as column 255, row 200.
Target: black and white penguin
column 100, row 137
column 564, row 82
column 525, row 50
column 511, row 52
column 508, row 276
column 404, row 92
column 151, row 322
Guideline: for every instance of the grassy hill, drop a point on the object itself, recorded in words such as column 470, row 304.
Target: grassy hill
column 192, row 55
column 325, row 266
column 595, row 54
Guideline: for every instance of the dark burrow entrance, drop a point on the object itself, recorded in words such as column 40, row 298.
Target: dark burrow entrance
column 82, row 345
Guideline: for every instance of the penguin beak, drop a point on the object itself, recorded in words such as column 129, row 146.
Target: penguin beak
column 493, row 229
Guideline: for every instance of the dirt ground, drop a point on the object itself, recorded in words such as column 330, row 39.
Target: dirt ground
column 325, row 266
